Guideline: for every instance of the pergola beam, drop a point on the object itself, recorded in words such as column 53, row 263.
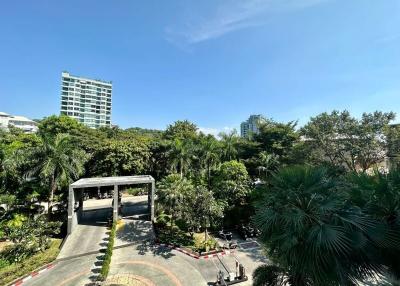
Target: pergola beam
column 79, row 185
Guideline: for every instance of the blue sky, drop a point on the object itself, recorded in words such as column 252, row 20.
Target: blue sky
column 212, row 62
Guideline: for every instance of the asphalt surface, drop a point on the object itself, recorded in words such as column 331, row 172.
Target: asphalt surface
column 71, row 272
column 138, row 262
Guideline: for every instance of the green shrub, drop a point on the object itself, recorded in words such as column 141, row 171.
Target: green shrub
column 4, row 263
column 107, row 257
column 135, row 191
column 16, row 270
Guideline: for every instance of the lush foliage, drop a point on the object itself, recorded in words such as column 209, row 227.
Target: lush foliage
column 344, row 140
column 105, row 268
column 324, row 230
column 326, row 214
column 15, row 270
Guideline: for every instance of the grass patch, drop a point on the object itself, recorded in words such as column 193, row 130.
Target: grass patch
column 181, row 238
column 135, row 191
column 105, row 268
column 16, row 270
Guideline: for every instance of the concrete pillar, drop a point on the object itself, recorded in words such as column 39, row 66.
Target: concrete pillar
column 71, row 203
column 115, row 206
column 153, row 190
column 80, row 209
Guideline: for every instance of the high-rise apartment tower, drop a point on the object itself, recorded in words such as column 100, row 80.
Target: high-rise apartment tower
column 86, row 100
column 250, row 126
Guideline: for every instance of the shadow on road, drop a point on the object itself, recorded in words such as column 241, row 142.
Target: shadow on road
column 135, row 231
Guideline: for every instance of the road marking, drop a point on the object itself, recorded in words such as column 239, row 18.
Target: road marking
column 74, row 277
column 170, row 275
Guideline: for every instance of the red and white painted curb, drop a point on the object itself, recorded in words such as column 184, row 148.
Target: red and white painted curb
column 33, row 274
column 194, row 255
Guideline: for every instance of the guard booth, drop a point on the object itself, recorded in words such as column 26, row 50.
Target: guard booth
column 76, row 192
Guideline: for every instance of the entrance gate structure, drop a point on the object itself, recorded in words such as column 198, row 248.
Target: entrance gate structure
column 76, row 195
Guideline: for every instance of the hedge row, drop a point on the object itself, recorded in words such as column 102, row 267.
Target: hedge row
column 107, row 257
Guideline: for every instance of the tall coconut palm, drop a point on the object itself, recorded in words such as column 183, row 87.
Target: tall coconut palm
column 181, row 155
column 209, row 155
column 311, row 231
column 171, row 193
column 57, row 161
column 229, row 142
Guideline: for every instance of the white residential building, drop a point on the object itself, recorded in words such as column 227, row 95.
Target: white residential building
column 250, row 126
column 27, row 125
column 86, row 100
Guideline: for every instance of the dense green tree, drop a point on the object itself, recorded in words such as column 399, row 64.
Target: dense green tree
column 56, row 161
column 230, row 142
column 181, row 155
column 378, row 196
column 277, row 138
column 268, row 163
column 181, row 130
column 313, row 235
column 393, row 145
column 53, row 125
column 120, row 158
column 270, row 275
column 159, row 159
column 231, row 183
column 346, row 141
column 201, row 209
column 172, row 191
column 209, row 154
column 28, row 236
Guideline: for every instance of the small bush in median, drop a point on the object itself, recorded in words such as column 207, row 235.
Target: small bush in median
column 107, row 257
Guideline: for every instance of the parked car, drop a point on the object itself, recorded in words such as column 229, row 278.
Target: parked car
column 227, row 235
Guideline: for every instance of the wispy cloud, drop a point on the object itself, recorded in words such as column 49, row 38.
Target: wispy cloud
column 215, row 131
column 231, row 16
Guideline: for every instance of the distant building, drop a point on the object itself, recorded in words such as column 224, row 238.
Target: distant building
column 86, row 100
column 251, row 125
column 27, row 125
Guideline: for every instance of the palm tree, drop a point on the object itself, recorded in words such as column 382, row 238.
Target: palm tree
column 311, row 232
column 171, row 194
column 267, row 163
column 209, row 150
column 181, row 155
column 57, row 161
column 229, row 141
column 269, row 275
column 379, row 196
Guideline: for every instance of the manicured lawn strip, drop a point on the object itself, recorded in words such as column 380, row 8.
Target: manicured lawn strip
column 105, row 268
column 14, row 271
column 183, row 239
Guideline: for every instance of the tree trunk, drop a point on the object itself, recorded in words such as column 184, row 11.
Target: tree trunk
column 205, row 231
column 209, row 176
column 181, row 168
column 53, row 188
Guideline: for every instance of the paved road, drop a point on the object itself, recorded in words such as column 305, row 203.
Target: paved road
column 143, row 264
column 84, row 239
column 156, row 265
column 89, row 237
column 74, row 272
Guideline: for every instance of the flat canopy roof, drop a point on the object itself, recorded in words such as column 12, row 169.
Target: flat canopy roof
column 111, row 181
